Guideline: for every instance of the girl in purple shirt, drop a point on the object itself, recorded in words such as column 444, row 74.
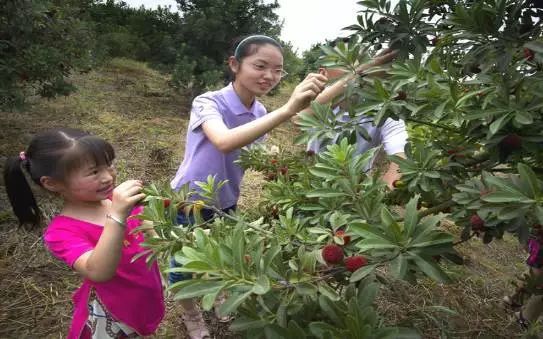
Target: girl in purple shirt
column 93, row 233
column 223, row 121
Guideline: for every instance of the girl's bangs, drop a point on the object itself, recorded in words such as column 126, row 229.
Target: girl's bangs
column 86, row 150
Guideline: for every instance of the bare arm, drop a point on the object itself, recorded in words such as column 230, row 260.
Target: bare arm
column 393, row 172
column 101, row 263
column 227, row 140
column 339, row 87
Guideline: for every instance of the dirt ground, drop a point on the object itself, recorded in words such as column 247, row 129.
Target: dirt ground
column 132, row 107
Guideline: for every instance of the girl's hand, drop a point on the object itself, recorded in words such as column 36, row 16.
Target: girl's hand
column 306, row 91
column 381, row 58
column 125, row 196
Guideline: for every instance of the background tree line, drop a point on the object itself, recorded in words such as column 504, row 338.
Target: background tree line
column 43, row 41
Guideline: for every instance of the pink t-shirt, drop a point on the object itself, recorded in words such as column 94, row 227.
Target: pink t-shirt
column 133, row 296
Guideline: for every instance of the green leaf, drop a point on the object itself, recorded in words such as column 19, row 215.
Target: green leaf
column 372, row 244
column 328, row 291
column 193, row 266
column 431, row 269
column 398, row 266
column 435, row 239
column 527, row 175
column 362, row 272
column 322, row 330
column 305, row 288
column 524, row 118
column 199, row 288
column 499, row 123
column 232, row 303
column 244, row 324
column 367, row 295
column 330, row 309
column 501, row 197
column 208, row 300
column 262, row 285
column 411, row 215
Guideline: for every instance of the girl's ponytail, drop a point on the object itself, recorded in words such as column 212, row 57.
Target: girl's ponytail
column 19, row 192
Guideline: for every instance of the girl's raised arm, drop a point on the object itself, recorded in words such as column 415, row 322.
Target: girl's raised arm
column 227, row 140
column 101, row 263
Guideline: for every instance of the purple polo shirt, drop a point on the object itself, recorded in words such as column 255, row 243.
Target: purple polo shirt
column 202, row 158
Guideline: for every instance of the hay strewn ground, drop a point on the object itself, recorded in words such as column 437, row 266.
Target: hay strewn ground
column 131, row 106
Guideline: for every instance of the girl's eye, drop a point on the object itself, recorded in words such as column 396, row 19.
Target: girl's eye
column 259, row 67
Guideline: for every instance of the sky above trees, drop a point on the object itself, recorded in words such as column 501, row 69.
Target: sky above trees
column 306, row 22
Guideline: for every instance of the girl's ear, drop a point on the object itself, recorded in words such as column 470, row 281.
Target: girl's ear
column 51, row 184
column 233, row 63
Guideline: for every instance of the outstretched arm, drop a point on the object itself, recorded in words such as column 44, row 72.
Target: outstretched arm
column 338, row 87
column 227, row 140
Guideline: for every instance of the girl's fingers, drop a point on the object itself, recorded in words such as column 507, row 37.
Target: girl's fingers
column 135, row 198
column 317, row 76
column 314, row 81
column 133, row 190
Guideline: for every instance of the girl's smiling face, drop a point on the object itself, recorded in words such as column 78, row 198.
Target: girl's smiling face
column 258, row 73
column 90, row 182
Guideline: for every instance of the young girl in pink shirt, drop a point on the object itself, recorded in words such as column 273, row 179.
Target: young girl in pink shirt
column 92, row 234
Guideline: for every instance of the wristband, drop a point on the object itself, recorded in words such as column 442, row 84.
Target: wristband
column 117, row 220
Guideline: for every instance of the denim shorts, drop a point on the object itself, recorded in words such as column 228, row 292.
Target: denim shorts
column 183, row 219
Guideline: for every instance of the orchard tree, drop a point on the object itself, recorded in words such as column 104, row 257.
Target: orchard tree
column 41, row 42
column 209, row 30
column 468, row 83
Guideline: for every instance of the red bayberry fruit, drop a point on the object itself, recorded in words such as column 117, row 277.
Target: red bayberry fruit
column 271, row 176
column 332, row 254
column 402, row 95
column 476, row 222
column 273, row 161
column 511, row 142
column 284, row 170
column 247, row 258
column 346, row 238
column 528, row 54
column 355, row 262
column 166, row 202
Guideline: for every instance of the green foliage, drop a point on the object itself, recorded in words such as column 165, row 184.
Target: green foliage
column 210, row 28
column 471, row 98
column 41, row 42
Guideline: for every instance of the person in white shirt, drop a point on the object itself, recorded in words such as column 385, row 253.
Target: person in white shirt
column 392, row 135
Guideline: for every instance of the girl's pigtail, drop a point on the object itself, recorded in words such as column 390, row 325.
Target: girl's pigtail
column 19, row 192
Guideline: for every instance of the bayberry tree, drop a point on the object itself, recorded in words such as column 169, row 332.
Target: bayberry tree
column 468, row 83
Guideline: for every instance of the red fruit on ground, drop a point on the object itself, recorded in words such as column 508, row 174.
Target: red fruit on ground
column 273, row 161
column 355, row 262
column 346, row 238
column 511, row 142
column 476, row 222
column 528, row 54
column 167, row 203
column 284, row 170
column 332, row 254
